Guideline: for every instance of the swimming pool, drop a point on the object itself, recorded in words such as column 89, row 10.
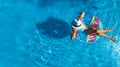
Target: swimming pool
column 36, row 33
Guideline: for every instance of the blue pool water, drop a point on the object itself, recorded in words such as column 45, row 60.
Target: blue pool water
column 36, row 33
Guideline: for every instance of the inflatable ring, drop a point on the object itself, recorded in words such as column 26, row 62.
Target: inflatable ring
column 93, row 21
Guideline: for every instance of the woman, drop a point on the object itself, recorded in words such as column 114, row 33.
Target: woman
column 79, row 25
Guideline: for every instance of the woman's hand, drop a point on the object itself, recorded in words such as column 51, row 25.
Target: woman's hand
column 84, row 28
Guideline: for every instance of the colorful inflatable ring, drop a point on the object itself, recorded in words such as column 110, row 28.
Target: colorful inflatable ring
column 93, row 21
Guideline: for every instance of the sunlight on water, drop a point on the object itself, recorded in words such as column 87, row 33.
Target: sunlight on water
column 36, row 33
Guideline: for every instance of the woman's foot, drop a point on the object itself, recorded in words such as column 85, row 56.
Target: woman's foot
column 113, row 39
column 110, row 30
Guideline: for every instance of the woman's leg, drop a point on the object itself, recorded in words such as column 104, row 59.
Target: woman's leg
column 102, row 31
column 106, row 36
column 108, row 30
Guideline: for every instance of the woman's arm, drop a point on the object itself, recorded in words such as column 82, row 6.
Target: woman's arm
column 82, row 15
column 73, row 34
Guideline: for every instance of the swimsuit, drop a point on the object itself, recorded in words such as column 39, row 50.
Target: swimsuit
column 90, row 31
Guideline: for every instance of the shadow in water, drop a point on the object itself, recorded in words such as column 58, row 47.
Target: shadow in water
column 55, row 28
